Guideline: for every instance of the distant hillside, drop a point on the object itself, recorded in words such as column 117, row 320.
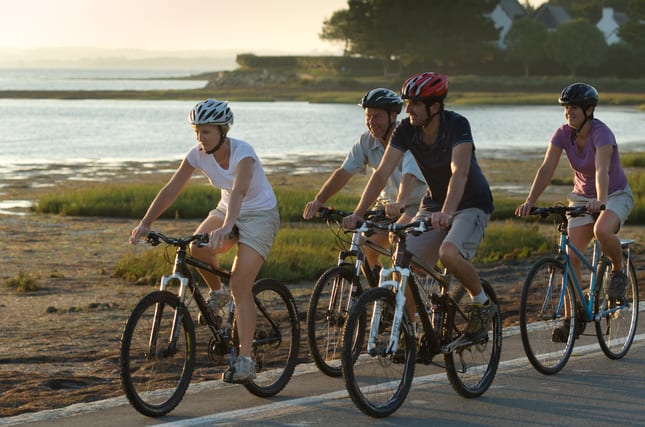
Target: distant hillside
column 84, row 57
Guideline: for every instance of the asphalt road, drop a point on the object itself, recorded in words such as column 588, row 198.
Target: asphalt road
column 519, row 396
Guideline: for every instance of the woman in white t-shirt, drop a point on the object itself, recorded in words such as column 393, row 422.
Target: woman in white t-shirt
column 247, row 214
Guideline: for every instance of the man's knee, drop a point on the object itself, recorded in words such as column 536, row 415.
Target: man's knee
column 449, row 254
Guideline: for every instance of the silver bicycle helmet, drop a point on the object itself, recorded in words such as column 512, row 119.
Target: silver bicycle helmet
column 211, row 111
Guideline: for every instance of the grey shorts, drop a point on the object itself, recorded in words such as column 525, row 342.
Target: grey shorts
column 466, row 233
column 257, row 229
column 619, row 202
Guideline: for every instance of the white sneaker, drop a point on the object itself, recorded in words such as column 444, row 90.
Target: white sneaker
column 241, row 372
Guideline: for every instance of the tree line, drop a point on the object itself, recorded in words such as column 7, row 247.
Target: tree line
column 459, row 37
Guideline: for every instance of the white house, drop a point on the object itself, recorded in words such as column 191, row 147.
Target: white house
column 610, row 23
column 503, row 16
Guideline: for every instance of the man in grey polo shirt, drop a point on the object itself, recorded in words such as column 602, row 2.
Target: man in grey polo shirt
column 405, row 187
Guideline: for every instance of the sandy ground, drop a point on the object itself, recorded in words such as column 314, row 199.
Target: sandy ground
column 60, row 344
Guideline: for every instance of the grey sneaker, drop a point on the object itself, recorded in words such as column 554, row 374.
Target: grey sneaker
column 217, row 300
column 216, row 303
column 617, row 286
column 480, row 317
column 241, row 372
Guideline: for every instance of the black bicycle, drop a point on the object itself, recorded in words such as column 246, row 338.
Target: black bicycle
column 158, row 345
column 378, row 361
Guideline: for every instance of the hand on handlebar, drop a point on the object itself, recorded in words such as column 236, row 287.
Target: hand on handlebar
column 440, row 220
column 352, row 221
column 137, row 232
column 394, row 210
column 311, row 209
column 218, row 237
column 595, row 206
column 524, row 209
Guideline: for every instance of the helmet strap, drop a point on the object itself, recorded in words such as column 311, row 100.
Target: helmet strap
column 577, row 130
column 222, row 138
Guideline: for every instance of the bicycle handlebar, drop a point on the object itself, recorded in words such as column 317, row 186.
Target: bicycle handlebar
column 414, row 227
column 562, row 210
column 337, row 214
column 154, row 238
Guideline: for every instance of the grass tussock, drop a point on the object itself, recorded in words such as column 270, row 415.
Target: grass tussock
column 23, row 283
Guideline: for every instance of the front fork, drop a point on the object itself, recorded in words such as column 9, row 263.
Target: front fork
column 398, row 287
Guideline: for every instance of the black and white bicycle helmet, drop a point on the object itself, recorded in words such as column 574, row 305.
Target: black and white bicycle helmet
column 211, row 111
column 383, row 98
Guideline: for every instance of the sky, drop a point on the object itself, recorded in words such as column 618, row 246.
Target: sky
column 246, row 26
column 243, row 25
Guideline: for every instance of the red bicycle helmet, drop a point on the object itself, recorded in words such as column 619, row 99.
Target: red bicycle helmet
column 425, row 86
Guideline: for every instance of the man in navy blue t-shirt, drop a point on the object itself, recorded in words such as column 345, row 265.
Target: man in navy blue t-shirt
column 458, row 202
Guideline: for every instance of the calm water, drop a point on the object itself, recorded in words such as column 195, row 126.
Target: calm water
column 73, row 132
column 90, row 79
column 60, row 131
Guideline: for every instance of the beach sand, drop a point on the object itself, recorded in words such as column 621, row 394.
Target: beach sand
column 61, row 343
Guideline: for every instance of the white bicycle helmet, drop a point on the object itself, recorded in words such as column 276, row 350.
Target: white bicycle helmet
column 211, row 111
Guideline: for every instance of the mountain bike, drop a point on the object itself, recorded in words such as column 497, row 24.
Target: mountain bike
column 337, row 289
column 158, row 345
column 553, row 300
column 378, row 361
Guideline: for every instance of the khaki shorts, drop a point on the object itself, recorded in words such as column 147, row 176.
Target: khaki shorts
column 619, row 202
column 257, row 229
column 466, row 233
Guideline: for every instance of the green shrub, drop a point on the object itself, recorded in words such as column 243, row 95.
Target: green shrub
column 296, row 255
column 511, row 240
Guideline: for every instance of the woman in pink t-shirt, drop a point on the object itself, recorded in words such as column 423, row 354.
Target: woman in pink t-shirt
column 599, row 179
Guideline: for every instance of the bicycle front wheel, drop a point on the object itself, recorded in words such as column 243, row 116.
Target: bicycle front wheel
column 378, row 381
column 547, row 317
column 326, row 318
column 276, row 342
column 616, row 325
column 472, row 368
column 156, row 361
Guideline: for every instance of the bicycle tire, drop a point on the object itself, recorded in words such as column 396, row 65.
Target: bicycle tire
column 276, row 342
column 155, row 385
column 378, row 382
column 615, row 331
column 471, row 369
column 539, row 317
column 326, row 317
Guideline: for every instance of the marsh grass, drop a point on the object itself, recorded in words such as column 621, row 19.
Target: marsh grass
column 302, row 249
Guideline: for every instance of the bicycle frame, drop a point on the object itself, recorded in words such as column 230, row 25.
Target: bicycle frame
column 565, row 251
column 400, row 267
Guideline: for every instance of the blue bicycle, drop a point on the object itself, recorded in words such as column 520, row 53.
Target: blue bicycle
column 554, row 308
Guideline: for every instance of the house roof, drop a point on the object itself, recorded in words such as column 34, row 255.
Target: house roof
column 512, row 8
column 552, row 16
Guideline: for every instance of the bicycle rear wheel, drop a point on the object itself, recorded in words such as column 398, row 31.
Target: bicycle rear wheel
column 378, row 381
column 471, row 369
column 541, row 313
column 276, row 342
column 326, row 318
column 616, row 326
column 155, row 369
